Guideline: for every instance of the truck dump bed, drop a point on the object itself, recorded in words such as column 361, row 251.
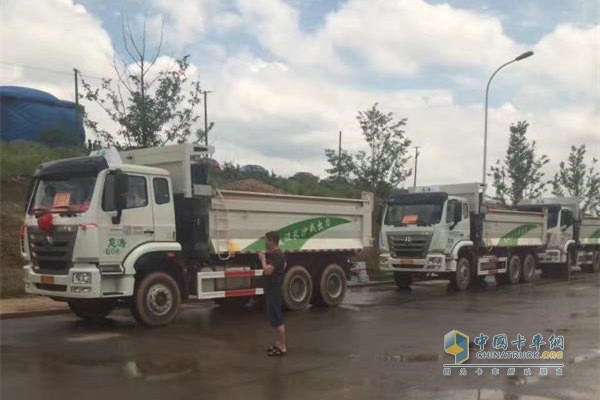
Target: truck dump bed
column 238, row 220
column 504, row 228
column 589, row 233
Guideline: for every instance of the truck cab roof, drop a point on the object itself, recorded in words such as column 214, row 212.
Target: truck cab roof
column 139, row 169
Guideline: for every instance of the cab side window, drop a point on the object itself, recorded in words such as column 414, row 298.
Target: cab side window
column 161, row 190
column 137, row 196
column 450, row 210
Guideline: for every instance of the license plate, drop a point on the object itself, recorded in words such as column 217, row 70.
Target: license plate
column 47, row 279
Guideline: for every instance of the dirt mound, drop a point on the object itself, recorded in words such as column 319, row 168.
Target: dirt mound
column 252, row 185
column 11, row 263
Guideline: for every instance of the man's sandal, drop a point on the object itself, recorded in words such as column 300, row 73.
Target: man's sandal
column 276, row 352
column 270, row 348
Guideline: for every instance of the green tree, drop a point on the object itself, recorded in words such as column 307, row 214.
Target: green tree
column 384, row 167
column 576, row 179
column 151, row 107
column 381, row 169
column 520, row 176
column 342, row 165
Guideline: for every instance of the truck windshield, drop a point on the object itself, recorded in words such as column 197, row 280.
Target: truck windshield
column 413, row 214
column 62, row 194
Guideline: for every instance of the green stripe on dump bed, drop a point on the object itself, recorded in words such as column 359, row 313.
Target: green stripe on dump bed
column 294, row 236
column 512, row 237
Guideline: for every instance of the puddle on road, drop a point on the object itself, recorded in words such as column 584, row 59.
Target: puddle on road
column 153, row 369
column 589, row 314
column 94, row 337
column 402, row 358
column 590, row 355
column 471, row 394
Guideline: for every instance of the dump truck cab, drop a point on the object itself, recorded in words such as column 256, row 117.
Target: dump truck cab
column 96, row 216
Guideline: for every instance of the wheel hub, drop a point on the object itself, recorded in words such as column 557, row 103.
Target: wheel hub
column 298, row 289
column 159, row 299
column 334, row 286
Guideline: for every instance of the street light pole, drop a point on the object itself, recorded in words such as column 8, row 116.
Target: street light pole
column 205, row 117
column 487, row 90
column 416, row 163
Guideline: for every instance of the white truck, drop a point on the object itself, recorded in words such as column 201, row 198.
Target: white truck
column 444, row 232
column 150, row 232
column 573, row 239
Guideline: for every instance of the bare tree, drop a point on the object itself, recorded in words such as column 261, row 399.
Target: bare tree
column 152, row 106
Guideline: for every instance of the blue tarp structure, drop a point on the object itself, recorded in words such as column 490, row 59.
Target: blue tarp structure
column 30, row 114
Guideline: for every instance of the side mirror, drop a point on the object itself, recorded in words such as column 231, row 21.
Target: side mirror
column 120, row 194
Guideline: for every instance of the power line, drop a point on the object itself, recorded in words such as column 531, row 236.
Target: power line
column 55, row 71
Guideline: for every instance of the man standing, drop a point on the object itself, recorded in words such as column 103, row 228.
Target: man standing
column 273, row 265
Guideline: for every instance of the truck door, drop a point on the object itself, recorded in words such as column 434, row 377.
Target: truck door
column 163, row 210
column 457, row 218
column 136, row 225
column 566, row 225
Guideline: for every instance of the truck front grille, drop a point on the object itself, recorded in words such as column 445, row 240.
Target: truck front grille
column 51, row 253
column 414, row 246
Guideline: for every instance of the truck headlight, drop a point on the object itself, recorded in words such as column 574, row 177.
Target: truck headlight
column 82, row 278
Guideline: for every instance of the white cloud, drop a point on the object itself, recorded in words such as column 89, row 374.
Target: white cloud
column 56, row 35
column 281, row 108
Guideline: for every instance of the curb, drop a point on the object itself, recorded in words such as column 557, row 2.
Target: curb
column 367, row 284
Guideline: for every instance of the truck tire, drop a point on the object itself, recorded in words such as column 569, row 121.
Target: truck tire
column 461, row 280
column 92, row 308
column 403, row 280
column 528, row 268
column 331, row 288
column 594, row 267
column 156, row 299
column 513, row 272
column 297, row 288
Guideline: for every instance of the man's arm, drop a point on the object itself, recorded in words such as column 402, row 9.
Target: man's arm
column 267, row 268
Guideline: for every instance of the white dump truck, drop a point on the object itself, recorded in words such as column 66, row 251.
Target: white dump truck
column 146, row 229
column 573, row 239
column 444, row 232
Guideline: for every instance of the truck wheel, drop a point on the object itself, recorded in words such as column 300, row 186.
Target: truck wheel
column 462, row 278
column 528, row 269
column 92, row 308
column 513, row 272
column 297, row 288
column 403, row 280
column 332, row 287
column 596, row 262
column 594, row 267
column 156, row 300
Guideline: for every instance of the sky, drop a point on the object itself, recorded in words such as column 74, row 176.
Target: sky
column 286, row 76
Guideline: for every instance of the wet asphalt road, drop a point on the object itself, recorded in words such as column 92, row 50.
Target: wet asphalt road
column 382, row 343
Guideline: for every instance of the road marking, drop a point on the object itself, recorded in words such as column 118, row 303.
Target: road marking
column 94, row 337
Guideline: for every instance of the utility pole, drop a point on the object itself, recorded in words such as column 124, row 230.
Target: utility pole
column 340, row 157
column 205, row 117
column 76, row 72
column 416, row 164
column 77, row 111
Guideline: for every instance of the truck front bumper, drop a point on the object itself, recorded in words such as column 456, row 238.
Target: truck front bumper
column 83, row 281
column 433, row 263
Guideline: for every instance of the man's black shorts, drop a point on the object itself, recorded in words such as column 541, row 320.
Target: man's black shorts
column 273, row 300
